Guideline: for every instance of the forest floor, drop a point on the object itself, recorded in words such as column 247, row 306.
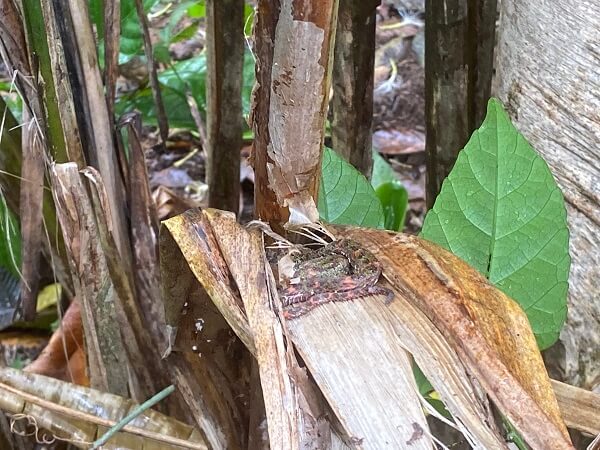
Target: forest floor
column 177, row 173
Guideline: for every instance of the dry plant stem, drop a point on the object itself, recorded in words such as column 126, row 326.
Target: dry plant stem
column 243, row 249
column 73, row 151
column 193, row 104
column 91, row 418
column 459, row 43
column 95, row 125
column 142, row 352
column 31, row 213
column 446, row 102
column 265, row 203
column 112, row 31
column 14, row 52
column 294, row 41
column 91, row 279
column 482, row 32
column 352, row 103
column 13, row 45
column 43, row 78
column 489, row 331
column 161, row 115
column 579, row 407
column 144, row 238
column 225, row 62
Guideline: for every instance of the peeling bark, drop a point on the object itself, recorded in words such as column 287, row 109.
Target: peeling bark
column 294, row 43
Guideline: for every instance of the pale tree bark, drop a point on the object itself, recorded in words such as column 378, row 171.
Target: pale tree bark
column 294, row 43
column 548, row 75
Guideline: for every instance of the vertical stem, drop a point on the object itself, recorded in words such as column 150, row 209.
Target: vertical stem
column 352, row 103
column 446, row 88
column 48, row 115
column 225, row 62
column 112, row 31
column 459, row 52
column 265, row 202
column 294, row 40
column 161, row 115
column 95, row 126
column 482, row 29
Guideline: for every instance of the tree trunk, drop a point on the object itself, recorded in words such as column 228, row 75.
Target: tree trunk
column 294, row 41
column 459, row 36
column 225, row 63
column 352, row 103
column 548, row 75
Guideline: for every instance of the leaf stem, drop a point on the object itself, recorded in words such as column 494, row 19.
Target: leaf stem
column 132, row 415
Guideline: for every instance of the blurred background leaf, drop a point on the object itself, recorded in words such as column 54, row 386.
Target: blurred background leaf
column 346, row 197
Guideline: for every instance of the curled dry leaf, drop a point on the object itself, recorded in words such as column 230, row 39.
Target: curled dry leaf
column 469, row 338
column 200, row 249
column 63, row 357
column 168, row 204
column 243, row 250
column 488, row 330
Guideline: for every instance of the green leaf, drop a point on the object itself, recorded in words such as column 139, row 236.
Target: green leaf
column 10, row 239
column 394, row 199
column 391, row 193
column 174, row 18
column 161, row 53
column 346, row 196
column 131, row 34
column 197, row 10
column 382, row 171
column 173, row 84
column 187, row 33
column 423, row 384
column 248, row 19
column 502, row 212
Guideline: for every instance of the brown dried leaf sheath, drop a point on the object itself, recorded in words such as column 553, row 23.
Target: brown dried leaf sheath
column 448, row 316
column 91, row 279
column 488, row 330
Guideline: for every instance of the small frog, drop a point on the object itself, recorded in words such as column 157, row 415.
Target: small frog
column 339, row 271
